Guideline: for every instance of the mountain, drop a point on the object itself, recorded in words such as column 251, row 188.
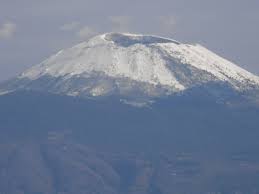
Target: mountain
column 130, row 114
column 136, row 66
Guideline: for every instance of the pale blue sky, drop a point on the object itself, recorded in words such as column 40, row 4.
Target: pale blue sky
column 31, row 30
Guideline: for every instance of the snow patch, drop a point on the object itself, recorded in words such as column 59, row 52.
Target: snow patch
column 5, row 92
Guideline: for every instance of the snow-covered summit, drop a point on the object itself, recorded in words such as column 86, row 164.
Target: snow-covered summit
column 145, row 59
column 131, row 39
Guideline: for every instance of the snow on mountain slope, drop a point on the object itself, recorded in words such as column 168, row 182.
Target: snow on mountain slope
column 203, row 59
column 106, row 62
column 138, row 62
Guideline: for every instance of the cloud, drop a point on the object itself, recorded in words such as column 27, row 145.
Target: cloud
column 168, row 24
column 70, row 26
column 120, row 23
column 86, row 32
column 82, row 32
column 7, row 30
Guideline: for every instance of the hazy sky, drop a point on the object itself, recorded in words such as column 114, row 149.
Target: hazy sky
column 31, row 30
